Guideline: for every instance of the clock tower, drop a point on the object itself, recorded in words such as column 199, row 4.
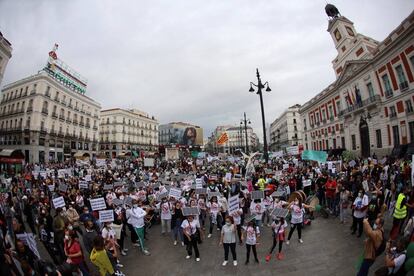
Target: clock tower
column 349, row 44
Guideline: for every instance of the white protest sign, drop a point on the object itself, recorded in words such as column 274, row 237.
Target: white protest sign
column 83, row 185
column 61, row 172
column 174, row 192
column 58, row 202
column 88, row 177
column 29, row 240
column 199, row 183
column 330, row 165
column 233, row 204
column 97, row 203
column 51, row 187
column 307, row 182
column 149, row 162
column 100, row 163
column 43, row 174
column 106, row 216
column 352, row 163
column 292, row 150
column 228, row 177
column 285, row 166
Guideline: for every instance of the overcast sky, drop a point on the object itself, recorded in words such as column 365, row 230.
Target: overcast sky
column 190, row 60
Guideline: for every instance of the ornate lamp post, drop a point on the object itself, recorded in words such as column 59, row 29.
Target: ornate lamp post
column 245, row 122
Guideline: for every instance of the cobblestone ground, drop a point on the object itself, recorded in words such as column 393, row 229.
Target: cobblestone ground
column 328, row 249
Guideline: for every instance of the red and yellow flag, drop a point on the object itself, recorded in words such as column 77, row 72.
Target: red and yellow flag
column 223, row 139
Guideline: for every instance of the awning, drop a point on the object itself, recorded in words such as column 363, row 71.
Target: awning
column 122, row 154
column 7, row 152
column 134, row 153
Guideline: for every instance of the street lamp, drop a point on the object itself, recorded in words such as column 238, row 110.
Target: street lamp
column 245, row 121
column 259, row 87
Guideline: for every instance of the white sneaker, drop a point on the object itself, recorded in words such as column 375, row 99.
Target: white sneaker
column 182, row 243
column 123, row 253
column 197, row 259
column 175, row 242
column 300, row 240
column 126, row 249
column 146, row 253
column 218, row 229
column 287, row 242
column 235, row 263
column 135, row 244
column 224, row 263
column 120, row 265
column 188, row 257
column 209, row 236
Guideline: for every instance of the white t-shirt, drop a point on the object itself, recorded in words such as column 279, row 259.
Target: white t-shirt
column 237, row 216
column 251, row 234
column 257, row 209
column 398, row 261
column 108, row 233
column 297, row 214
column 202, row 204
column 279, row 226
column 359, row 203
column 190, row 228
column 214, row 207
column 165, row 209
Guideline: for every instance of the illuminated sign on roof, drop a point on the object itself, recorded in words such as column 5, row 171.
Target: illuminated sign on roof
column 61, row 72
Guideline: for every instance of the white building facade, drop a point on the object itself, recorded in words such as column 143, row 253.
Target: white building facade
column 125, row 131
column 47, row 118
column 368, row 109
column 5, row 55
column 286, row 130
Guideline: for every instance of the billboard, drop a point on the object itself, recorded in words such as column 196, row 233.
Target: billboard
column 186, row 135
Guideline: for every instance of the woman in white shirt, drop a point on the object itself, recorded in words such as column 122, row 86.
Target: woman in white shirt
column 165, row 209
column 214, row 210
column 190, row 227
column 257, row 208
column 297, row 209
column 278, row 233
column 237, row 218
column 252, row 237
column 228, row 240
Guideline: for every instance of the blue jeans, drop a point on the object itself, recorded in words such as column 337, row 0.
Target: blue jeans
column 364, row 269
column 178, row 231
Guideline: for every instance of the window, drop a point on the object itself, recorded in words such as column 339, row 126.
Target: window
column 412, row 60
column 353, row 142
column 370, row 89
column 294, row 121
column 401, row 77
column 379, row 138
column 387, row 85
column 411, row 130
column 396, row 135
column 393, row 113
column 409, row 106
column 343, row 142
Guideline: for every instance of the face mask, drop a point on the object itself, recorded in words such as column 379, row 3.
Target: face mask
column 135, row 205
column 70, row 227
column 66, row 237
column 360, row 194
column 297, row 202
column 277, row 200
column 374, row 226
column 228, row 223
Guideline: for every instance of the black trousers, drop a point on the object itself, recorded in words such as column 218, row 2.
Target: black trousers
column 357, row 222
column 190, row 245
column 292, row 229
column 232, row 247
column 248, row 246
column 239, row 232
column 274, row 245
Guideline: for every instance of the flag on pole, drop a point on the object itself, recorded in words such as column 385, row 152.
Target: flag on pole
column 223, row 139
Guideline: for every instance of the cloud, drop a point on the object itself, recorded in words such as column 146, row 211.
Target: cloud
column 190, row 60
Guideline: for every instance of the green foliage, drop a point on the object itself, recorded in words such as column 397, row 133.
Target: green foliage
column 348, row 156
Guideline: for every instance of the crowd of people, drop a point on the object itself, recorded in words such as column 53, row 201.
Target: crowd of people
column 82, row 212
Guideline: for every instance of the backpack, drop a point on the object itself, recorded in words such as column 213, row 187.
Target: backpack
column 381, row 248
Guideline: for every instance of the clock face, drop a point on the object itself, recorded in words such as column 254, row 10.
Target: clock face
column 337, row 35
column 350, row 31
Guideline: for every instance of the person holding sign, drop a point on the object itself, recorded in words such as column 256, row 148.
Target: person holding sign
column 214, row 210
column 135, row 217
column 279, row 226
column 190, row 227
column 297, row 209
column 165, row 209
column 257, row 208
column 228, row 240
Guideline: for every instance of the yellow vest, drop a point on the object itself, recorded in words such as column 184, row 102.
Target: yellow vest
column 400, row 212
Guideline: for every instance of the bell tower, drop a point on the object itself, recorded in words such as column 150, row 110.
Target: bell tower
column 349, row 44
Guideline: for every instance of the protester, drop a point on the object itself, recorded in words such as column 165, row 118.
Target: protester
column 375, row 237
column 190, row 227
column 360, row 211
column 252, row 238
column 228, row 240
column 278, row 235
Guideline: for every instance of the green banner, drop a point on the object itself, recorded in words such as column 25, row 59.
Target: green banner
column 194, row 154
column 315, row 155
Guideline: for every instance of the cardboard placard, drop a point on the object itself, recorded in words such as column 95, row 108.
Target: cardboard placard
column 278, row 193
column 139, row 184
column 285, row 166
column 279, row 212
column 211, row 194
column 307, row 182
column 128, row 201
column 257, row 195
column 149, row 162
column 162, row 195
column 88, row 177
column 201, row 191
column 106, row 215
column 191, row 211
column 117, row 201
column 108, row 187
column 51, row 187
column 118, row 184
column 97, row 203
column 59, row 202
column 352, row 163
column 199, row 183
column 228, row 177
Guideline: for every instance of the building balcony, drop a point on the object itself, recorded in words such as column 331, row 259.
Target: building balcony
column 409, row 112
column 68, row 120
column 393, row 115
column 45, row 111
column 29, row 109
column 56, row 100
column 359, row 106
column 47, row 95
column 60, row 134
column 33, row 91
column 95, row 116
column 76, row 108
column 63, row 102
column 388, row 93
column 62, row 118
column 95, row 128
column 81, row 124
column 52, row 132
column 75, row 122
column 54, row 115
column 70, row 105
column 87, row 125
column 43, row 130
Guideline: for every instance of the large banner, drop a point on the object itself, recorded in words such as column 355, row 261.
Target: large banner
column 172, row 154
column 315, row 155
column 186, row 135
